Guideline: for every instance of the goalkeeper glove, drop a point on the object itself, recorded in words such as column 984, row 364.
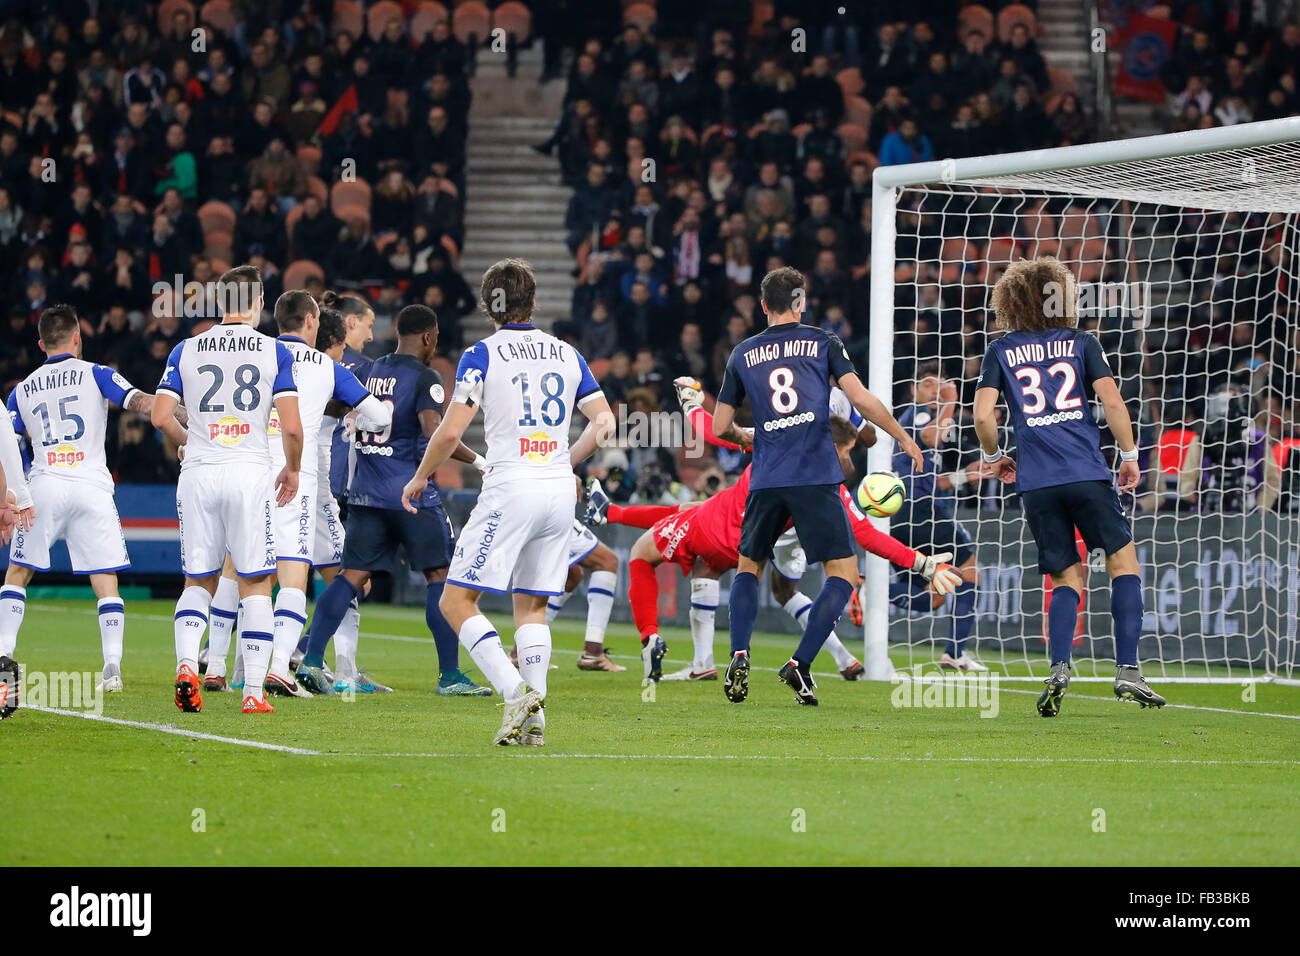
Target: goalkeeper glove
column 943, row 577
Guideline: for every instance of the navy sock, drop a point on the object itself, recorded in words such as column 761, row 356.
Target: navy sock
column 1062, row 619
column 911, row 597
column 963, row 618
column 447, row 640
column 742, row 609
column 823, row 614
column 330, row 609
column 1126, row 609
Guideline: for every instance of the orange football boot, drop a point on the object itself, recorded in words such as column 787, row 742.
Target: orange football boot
column 254, row 706
column 188, row 697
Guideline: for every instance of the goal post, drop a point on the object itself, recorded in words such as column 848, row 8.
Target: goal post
column 1187, row 251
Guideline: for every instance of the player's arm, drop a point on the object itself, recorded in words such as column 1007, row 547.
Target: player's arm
column 428, row 406
column 284, row 393
column 593, row 404
column 874, row 411
column 1097, row 371
column 114, row 386
column 735, row 439
column 986, row 422
column 165, row 413
column 15, row 496
column 447, row 433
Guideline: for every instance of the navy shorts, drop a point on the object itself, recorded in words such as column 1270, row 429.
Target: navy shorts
column 922, row 528
column 374, row 535
column 818, row 515
column 1054, row 513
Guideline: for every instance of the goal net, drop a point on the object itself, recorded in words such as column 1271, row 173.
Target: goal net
column 1186, row 252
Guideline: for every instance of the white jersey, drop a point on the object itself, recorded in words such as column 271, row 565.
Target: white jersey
column 63, row 409
column 841, row 407
column 325, row 448
column 528, row 383
column 228, row 378
column 319, row 379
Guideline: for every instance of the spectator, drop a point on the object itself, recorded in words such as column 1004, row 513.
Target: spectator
column 907, row 144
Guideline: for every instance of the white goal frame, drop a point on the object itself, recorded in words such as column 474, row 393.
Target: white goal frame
column 1028, row 170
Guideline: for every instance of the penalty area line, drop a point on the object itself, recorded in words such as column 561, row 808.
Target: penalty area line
column 176, row 731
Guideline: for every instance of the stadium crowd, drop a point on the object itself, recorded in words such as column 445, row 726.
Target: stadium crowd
column 325, row 143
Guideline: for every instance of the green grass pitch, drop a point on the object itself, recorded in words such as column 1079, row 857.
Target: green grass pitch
column 685, row 778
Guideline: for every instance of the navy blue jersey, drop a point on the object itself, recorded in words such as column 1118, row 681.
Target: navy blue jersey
column 355, row 363
column 787, row 371
column 918, row 484
column 387, row 459
column 1046, row 379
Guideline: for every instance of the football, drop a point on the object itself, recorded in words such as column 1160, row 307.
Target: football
column 881, row 494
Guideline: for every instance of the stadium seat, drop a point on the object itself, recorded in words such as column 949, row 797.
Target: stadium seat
column 1062, row 81
column 764, row 10
column 350, row 194
column 218, row 244
column 218, row 15
column 309, row 156
column 1012, row 14
column 853, row 135
column 379, row 14
column 444, row 367
column 291, row 219
column 169, row 7
column 471, row 20
column 599, row 368
column 850, row 81
column 1159, row 12
column 1092, row 259
column 975, row 19
column 862, row 156
column 348, row 18
column 515, row 19
column 857, row 110
column 297, row 274
column 316, row 187
column 216, row 215
column 643, row 15
column 357, row 217
column 426, row 15
column 219, row 265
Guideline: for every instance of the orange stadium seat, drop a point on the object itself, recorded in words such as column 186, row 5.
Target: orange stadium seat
column 975, row 19
column 1062, row 81
column 853, row 135
column 169, row 7
column 218, row 15
column 471, row 19
column 862, row 156
column 309, row 156
column 218, row 244
column 643, row 15
column 357, row 217
column 350, row 194
column 857, row 110
column 379, row 14
column 291, row 220
column 764, row 10
column 297, row 274
column 216, row 215
column 428, row 13
column 515, row 19
column 316, row 187
column 348, row 18
column 850, row 81
column 1012, row 14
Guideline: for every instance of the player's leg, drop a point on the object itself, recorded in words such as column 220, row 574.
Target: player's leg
column 256, row 637
column 290, row 617
column 643, row 596
column 13, row 604
column 1052, row 529
column 96, row 547
column 223, row 616
column 703, row 616
column 112, row 627
column 956, row 653
column 202, row 497
column 250, row 540
column 788, row 565
column 602, row 567
column 533, row 640
column 823, row 528
column 29, row 552
column 766, row 515
column 556, row 604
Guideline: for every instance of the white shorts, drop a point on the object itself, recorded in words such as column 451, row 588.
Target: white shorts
column 295, row 523
column 581, row 542
column 327, row 551
column 517, row 538
column 788, row 557
column 83, row 515
column 226, row 509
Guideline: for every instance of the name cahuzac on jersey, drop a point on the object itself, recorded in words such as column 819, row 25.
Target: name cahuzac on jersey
column 319, row 379
column 787, row 371
column 528, row 383
column 228, row 378
column 63, row 409
column 1046, row 379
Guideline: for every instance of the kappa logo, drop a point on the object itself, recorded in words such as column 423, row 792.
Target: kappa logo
column 471, row 575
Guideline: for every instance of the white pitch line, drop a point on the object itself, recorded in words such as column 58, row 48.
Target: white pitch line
column 671, row 660
column 177, row 731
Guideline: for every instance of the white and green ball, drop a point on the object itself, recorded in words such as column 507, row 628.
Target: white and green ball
column 881, row 494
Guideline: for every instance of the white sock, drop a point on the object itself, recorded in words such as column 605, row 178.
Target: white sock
column 190, row 620
column 256, row 638
column 600, row 601
column 704, row 611
column 797, row 607
column 554, row 604
column 221, row 625
column 484, row 645
column 346, row 639
column 290, row 616
column 112, row 628
column 533, row 642
column 13, row 602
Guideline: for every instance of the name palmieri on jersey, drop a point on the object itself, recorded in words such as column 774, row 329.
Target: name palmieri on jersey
column 792, row 348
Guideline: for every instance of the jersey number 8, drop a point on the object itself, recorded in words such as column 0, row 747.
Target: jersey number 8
column 784, row 398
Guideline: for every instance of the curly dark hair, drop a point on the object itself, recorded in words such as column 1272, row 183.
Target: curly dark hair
column 1036, row 295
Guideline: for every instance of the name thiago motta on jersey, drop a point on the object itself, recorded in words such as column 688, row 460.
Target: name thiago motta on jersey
column 794, row 348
